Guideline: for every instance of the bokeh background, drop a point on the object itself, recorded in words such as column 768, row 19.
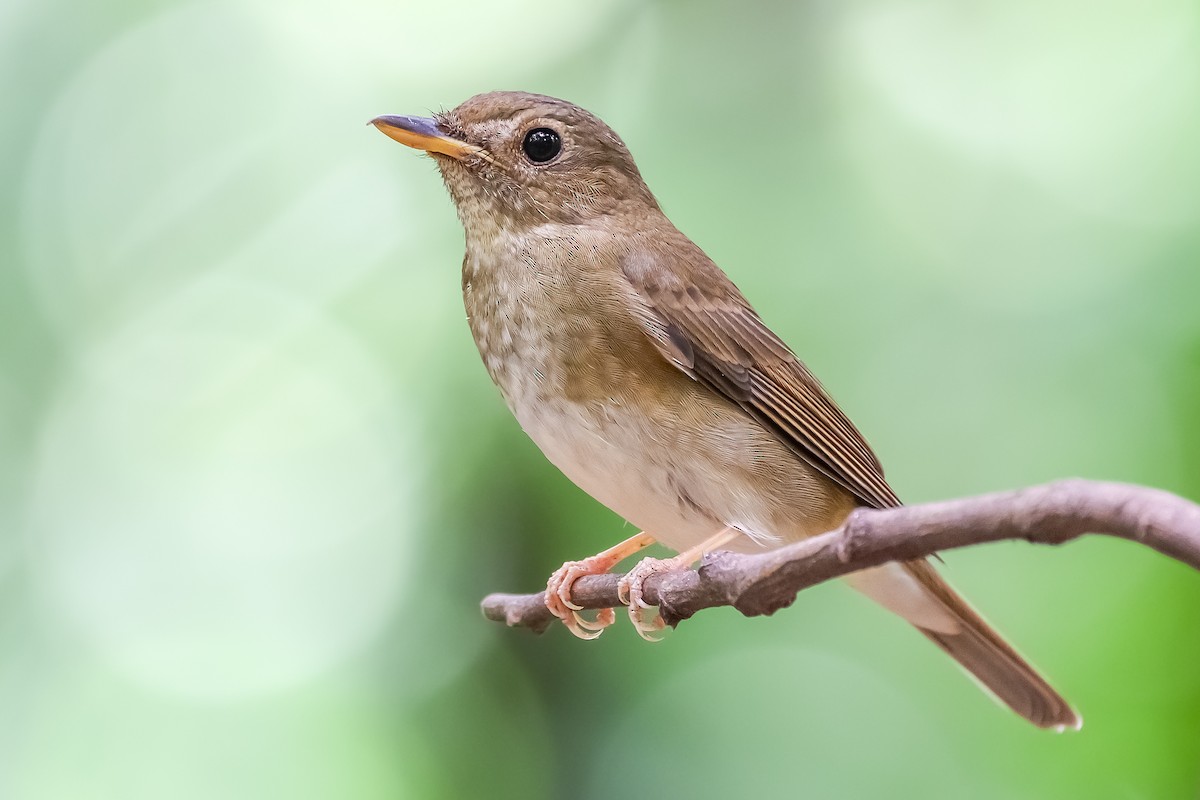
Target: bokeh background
column 254, row 480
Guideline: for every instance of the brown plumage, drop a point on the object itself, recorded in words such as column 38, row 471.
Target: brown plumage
column 643, row 373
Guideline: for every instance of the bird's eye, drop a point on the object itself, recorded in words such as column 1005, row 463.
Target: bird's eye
column 541, row 145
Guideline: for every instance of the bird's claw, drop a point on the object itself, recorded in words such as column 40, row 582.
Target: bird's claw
column 630, row 591
column 559, row 603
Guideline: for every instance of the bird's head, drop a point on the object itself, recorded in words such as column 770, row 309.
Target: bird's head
column 519, row 160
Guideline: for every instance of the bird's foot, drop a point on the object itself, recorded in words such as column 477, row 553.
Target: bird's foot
column 631, row 590
column 562, row 582
column 558, row 597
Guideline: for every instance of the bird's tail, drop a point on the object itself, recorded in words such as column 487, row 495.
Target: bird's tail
column 918, row 593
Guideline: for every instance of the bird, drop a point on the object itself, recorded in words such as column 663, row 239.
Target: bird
column 644, row 375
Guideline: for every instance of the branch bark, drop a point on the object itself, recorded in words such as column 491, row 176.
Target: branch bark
column 765, row 582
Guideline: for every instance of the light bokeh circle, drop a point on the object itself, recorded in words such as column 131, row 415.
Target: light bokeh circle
column 223, row 493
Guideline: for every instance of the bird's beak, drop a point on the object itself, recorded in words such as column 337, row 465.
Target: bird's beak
column 423, row 133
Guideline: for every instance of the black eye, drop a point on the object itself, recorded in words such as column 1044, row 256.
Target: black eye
column 541, row 145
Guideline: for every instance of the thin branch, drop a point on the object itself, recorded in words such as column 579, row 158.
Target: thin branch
column 763, row 583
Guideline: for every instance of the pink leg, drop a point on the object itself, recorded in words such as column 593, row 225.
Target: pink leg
column 629, row 590
column 558, row 588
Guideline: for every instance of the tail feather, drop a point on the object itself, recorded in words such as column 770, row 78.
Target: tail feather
column 993, row 662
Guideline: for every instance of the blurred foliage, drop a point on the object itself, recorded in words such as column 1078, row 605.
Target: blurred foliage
column 253, row 479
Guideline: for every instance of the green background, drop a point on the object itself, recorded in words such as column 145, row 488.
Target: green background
column 254, row 480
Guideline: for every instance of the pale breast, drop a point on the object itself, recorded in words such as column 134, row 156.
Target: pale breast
column 567, row 381
column 620, row 422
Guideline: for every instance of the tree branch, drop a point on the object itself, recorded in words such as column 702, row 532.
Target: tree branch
column 763, row 583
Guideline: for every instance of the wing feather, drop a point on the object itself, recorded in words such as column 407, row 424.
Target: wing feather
column 707, row 329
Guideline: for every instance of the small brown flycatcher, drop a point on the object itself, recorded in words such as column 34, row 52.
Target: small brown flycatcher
column 643, row 374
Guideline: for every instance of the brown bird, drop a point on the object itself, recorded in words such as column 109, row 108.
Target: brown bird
column 643, row 374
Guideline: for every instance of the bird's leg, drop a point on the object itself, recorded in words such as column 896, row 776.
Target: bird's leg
column 558, row 588
column 629, row 590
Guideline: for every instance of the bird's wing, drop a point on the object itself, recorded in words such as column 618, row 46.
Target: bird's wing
column 702, row 324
